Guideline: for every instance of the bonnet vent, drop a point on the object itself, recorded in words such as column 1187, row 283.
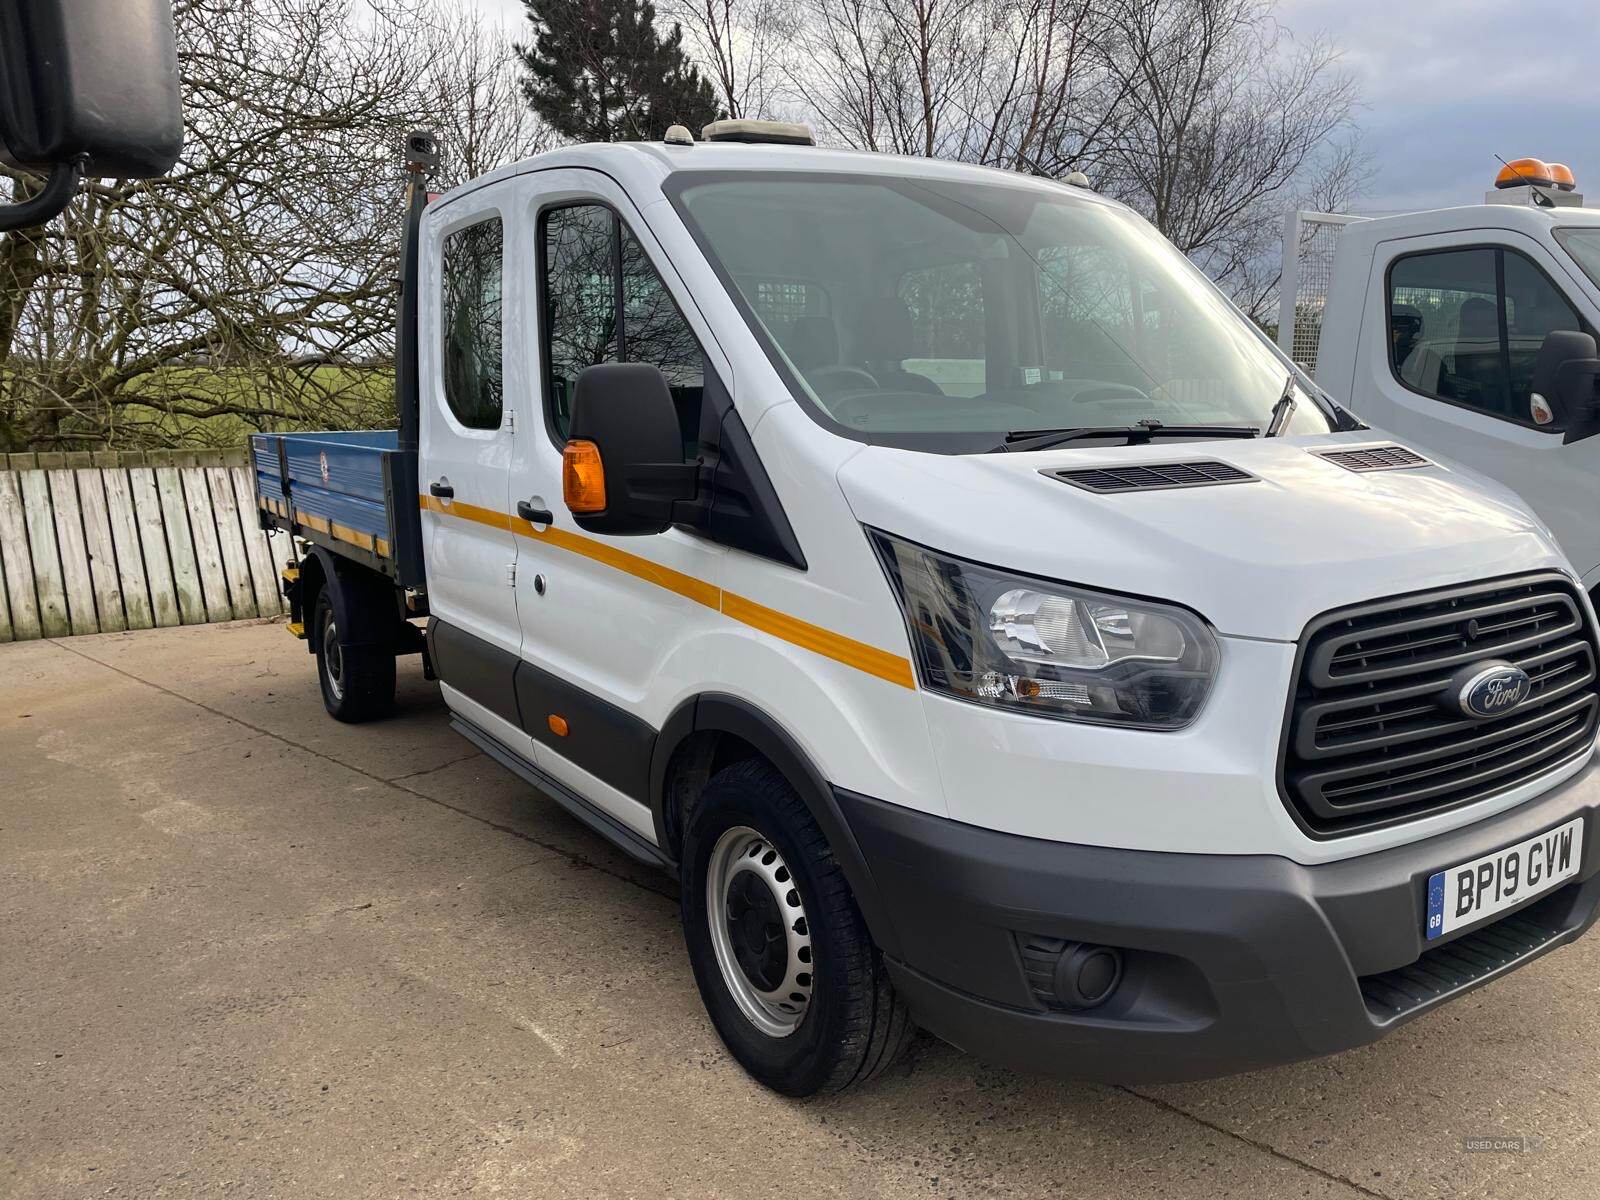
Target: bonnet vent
column 1375, row 458
column 1150, row 477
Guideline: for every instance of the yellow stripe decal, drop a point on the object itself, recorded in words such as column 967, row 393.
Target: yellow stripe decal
column 851, row 653
column 818, row 640
column 467, row 512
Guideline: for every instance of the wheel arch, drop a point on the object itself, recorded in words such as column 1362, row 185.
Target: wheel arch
column 365, row 603
column 315, row 570
column 711, row 730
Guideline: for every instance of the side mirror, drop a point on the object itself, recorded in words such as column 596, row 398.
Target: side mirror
column 87, row 87
column 623, row 468
column 1564, row 383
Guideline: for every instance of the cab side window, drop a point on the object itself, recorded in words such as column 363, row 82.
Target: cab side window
column 472, row 273
column 604, row 302
column 1465, row 326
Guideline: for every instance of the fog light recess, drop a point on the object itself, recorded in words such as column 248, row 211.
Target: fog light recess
column 1070, row 976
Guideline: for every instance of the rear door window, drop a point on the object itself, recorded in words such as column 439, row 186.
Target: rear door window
column 472, row 274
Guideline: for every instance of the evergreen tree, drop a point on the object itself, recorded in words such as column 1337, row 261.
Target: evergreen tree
column 598, row 71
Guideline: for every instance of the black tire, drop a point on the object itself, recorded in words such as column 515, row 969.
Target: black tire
column 852, row 1024
column 357, row 681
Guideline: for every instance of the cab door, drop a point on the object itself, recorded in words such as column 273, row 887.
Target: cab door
column 605, row 620
column 467, row 440
column 1459, row 322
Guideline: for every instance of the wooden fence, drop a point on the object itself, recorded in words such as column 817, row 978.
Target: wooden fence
column 105, row 542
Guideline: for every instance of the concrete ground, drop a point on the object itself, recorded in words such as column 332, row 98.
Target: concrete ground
column 246, row 950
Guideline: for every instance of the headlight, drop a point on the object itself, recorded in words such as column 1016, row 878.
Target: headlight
column 1013, row 642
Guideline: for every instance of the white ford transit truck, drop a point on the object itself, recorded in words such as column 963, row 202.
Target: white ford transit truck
column 989, row 627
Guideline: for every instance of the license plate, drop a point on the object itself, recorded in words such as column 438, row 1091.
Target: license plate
column 1480, row 888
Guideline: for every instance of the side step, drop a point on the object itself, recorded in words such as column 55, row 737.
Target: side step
column 603, row 823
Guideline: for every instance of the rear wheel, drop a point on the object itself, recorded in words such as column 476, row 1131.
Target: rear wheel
column 788, row 972
column 357, row 680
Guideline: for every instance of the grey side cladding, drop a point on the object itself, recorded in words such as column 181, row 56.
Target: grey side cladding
column 611, row 744
column 477, row 669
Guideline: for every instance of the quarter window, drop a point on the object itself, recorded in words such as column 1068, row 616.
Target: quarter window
column 604, row 302
column 1466, row 325
column 472, row 274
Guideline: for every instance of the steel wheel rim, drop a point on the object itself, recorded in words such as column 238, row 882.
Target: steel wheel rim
column 746, row 873
column 332, row 655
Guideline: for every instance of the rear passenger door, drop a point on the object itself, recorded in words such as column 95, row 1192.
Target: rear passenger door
column 467, row 437
column 604, row 619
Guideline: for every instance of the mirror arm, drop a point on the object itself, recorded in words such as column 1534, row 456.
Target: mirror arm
column 48, row 201
column 676, row 482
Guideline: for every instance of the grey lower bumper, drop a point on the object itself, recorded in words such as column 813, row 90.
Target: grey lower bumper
column 1232, row 963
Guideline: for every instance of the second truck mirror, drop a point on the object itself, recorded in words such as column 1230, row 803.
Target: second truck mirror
column 625, row 411
column 92, row 82
column 1566, row 374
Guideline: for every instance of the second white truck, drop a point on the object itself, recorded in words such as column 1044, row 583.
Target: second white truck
column 1470, row 333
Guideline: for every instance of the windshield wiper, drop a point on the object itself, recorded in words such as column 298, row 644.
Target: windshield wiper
column 1282, row 410
column 1136, row 435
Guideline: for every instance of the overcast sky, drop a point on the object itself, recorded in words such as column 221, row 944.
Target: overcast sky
column 1447, row 85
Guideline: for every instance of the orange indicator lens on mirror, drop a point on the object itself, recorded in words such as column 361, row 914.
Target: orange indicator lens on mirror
column 583, row 477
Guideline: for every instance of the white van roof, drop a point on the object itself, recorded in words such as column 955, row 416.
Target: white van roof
column 645, row 166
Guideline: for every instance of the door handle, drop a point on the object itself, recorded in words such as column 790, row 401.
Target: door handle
column 532, row 515
column 442, row 490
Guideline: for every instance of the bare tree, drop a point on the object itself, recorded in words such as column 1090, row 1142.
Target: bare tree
column 1203, row 114
column 473, row 90
column 738, row 43
column 254, row 286
column 892, row 75
column 1047, row 103
column 1223, row 121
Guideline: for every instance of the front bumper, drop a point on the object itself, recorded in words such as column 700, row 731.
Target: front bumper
column 1231, row 962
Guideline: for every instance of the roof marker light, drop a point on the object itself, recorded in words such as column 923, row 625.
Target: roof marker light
column 784, row 133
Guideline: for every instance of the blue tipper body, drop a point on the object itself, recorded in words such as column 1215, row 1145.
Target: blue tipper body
column 354, row 493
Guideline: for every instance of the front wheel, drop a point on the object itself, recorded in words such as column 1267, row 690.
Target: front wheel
column 357, row 681
column 788, row 972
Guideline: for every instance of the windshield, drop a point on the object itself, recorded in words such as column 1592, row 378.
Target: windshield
column 1584, row 246
column 944, row 316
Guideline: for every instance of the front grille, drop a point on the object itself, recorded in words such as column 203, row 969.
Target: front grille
column 1375, row 458
column 1369, row 742
column 1153, row 477
column 1457, row 965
